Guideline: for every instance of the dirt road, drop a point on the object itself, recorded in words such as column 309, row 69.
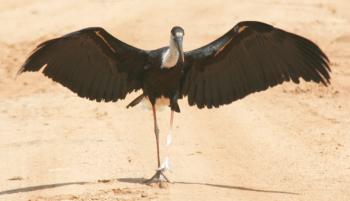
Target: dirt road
column 291, row 142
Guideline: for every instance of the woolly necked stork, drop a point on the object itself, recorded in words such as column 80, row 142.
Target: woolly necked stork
column 250, row 57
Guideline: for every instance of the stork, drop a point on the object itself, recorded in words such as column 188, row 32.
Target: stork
column 251, row 57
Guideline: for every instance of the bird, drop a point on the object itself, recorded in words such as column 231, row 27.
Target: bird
column 251, row 57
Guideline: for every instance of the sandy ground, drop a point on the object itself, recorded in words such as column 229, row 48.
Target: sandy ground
column 291, row 142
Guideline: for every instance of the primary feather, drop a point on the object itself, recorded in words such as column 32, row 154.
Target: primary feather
column 251, row 57
column 91, row 63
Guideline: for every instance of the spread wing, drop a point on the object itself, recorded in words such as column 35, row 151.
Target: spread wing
column 91, row 63
column 251, row 57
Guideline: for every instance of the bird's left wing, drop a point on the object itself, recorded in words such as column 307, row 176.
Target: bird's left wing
column 92, row 63
column 249, row 58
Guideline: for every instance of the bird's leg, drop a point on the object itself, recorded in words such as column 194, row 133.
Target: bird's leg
column 170, row 135
column 166, row 164
column 156, row 132
column 159, row 175
column 174, row 107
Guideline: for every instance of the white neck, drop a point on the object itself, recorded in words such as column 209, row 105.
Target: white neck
column 170, row 56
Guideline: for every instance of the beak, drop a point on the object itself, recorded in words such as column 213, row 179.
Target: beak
column 178, row 41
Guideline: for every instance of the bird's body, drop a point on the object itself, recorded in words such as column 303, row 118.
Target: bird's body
column 160, row 81
column 250, row 57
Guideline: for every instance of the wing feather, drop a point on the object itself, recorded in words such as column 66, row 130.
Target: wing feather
column 90, row 62
column 251, row 57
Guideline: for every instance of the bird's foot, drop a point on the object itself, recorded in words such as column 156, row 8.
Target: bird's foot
column 158, row 178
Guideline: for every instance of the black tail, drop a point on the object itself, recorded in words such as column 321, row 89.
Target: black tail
column 135, row 101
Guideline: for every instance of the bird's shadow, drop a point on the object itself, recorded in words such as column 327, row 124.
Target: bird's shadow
column 242, row 188
column 140, row 181
column 40, row 187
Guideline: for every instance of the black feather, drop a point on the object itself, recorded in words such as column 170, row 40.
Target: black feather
column 251, row 57
column 85, row 61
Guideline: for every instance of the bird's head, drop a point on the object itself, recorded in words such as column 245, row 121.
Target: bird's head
column 177, row 34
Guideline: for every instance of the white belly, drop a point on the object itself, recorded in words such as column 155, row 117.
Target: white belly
column 161, row 103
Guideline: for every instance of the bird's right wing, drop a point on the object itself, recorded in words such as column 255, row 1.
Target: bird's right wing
column 92, row 63
column 251, row 57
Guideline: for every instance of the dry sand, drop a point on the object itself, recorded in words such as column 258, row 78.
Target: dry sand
column 291, row 142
